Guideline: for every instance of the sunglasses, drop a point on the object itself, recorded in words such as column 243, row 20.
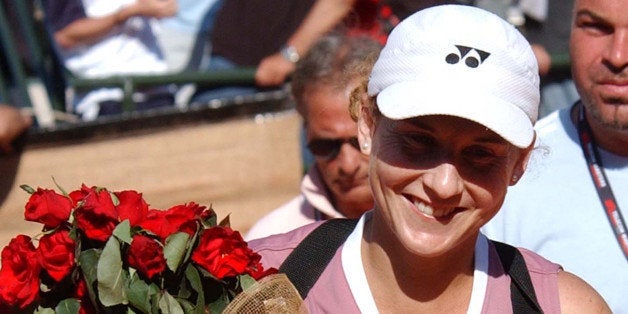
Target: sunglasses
column 329, row 148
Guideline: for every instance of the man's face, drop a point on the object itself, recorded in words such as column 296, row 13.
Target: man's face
column 599, row 54
column 330, row 134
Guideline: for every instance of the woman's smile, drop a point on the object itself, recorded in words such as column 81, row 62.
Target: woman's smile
column 442, row 215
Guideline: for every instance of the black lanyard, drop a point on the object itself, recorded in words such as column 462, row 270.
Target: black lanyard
column 602, row 185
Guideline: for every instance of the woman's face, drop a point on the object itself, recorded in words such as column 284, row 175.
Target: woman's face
column 437, row 179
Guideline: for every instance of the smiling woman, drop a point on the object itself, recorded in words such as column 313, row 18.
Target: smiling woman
column 448, row 126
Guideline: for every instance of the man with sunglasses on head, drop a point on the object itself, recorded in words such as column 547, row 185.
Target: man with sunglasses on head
column 335, row 185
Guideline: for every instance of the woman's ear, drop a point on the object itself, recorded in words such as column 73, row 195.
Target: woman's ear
column 365, row 128
column 522, row 162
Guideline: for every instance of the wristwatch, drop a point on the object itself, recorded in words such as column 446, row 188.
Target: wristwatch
column 290, row 53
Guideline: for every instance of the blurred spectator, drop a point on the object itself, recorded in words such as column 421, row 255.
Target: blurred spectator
column 336, row 185
column 177, row 35
column 374, row 18
column 271, row 35
column 354, row 17
column 243, row 32
column 101, row 38
column 572, row 209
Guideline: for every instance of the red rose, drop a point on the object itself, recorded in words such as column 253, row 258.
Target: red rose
column 56, row 254
column 81, row 293
column 19, row 274
column 177, row 218
column 147, row 256
column 96, row 215
column 132, row 207
column 48, row 207
column 223, row 253
column 78, row 195
column 258, row 272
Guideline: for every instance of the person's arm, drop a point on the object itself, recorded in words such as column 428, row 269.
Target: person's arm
column 12, row 124
column 89, row 30
column 577, row 296
column 322, row 17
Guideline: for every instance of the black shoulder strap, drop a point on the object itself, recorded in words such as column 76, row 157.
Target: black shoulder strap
column 522, row 292
column 308, row 260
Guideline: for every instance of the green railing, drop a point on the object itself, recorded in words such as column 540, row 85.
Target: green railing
column 13, row 63
column 129, row 83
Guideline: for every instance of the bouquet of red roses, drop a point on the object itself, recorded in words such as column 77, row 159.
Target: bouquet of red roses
column 103, row 251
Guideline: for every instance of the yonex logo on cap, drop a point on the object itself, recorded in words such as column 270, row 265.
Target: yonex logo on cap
column 470, row 61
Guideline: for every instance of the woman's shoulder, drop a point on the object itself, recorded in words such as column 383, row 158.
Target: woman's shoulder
column 577, row 296
column 275, row 248
column 537, row 263
column 559, row 290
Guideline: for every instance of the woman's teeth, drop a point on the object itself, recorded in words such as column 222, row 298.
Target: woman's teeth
column 429, row 211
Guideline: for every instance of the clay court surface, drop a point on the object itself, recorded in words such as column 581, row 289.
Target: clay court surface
column 244, row 167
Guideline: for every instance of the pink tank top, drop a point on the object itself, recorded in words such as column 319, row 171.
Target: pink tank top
column 331, row 293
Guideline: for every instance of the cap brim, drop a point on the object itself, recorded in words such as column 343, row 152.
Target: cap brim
column 410, row 99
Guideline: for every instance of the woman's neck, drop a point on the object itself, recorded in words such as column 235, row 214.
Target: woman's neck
column 398, row 278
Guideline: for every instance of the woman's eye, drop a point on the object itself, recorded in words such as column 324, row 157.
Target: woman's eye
column 479, row 154
column 418, row 141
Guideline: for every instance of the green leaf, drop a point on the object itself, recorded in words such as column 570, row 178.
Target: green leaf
column 169, row 305
column 123, row 232
column 27, row 188
column 187, row 306
column 246, row 281
column 225, row 222
column 111, row 277
column 175, row 249
column 185, row 291
column 210, row 220
column 190, row 243
column 68, row 306
column 44, row 310
column 140, row 293
column 75, row 236
column 220, row 304
column 88, row 261
column 194, row 278
column 114, row 199
column 154, row 302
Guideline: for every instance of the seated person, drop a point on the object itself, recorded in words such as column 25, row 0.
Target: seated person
column 273, row 35
column 178, row 35
column 101, row 38
column 336, row 184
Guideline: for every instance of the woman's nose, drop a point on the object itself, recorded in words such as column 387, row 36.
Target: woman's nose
column 444, row 181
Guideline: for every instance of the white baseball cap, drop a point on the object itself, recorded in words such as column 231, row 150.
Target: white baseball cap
column 462, row 61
